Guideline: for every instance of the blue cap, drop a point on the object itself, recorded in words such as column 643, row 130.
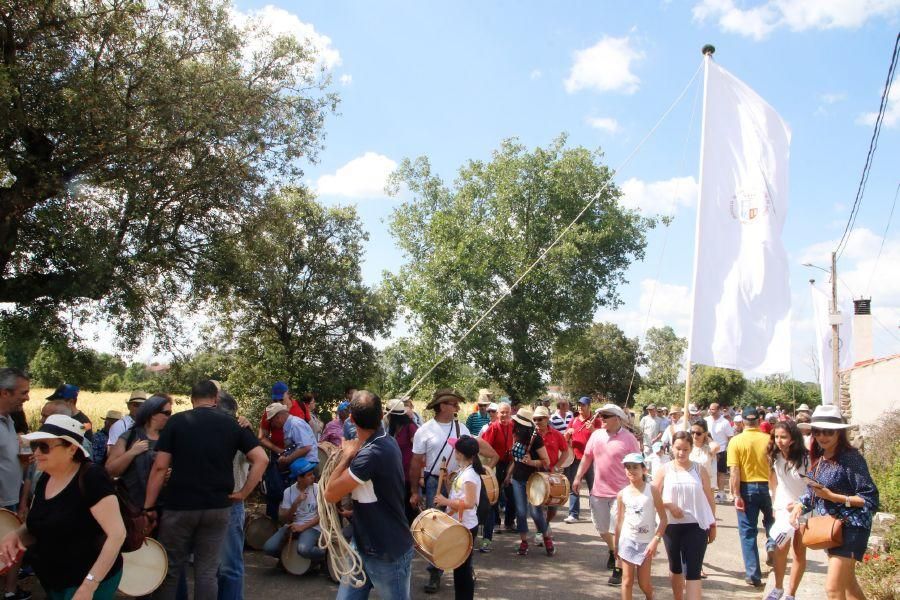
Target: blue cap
column 69, row 392
column 584, row 400
column 344, row 406
column 279, row 390
column 301, row 466
column 657, row 446
column 635, row 458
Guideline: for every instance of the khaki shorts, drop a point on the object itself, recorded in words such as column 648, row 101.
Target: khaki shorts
column 603, row 514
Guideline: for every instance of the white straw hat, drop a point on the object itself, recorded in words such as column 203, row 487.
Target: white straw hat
column 524, row 417
column 828, row 417
column 395, row 407
column 60, row 427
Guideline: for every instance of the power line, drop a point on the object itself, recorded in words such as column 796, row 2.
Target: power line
column 883, row 239
column 873, row 144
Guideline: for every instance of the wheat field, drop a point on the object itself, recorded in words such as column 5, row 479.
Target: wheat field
column 94, row 404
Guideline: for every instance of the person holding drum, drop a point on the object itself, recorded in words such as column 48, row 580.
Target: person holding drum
column 299, row 508
column 639, row 507
column 557, row 451
column 462, row 505
column 74, row 530
column 529, row 455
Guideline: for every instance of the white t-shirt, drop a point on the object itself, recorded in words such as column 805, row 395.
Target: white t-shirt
column 720, row 430
column 790, row 486
column 118, row 428
column 429, row 439
column 307, row 509
column 649, row 428
column 671, row 430
column 470, row 515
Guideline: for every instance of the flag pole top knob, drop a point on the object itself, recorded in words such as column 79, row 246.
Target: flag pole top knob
column 708, row 49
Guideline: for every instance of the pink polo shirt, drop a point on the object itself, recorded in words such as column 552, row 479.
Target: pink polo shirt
column 606, row 453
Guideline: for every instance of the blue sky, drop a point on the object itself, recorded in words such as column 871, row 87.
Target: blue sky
column 451, row 80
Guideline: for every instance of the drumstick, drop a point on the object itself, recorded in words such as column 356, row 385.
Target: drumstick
column 440, row 485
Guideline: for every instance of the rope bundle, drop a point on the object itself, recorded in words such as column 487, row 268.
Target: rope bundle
column 344, row 559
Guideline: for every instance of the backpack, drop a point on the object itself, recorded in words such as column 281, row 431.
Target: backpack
column 136, row 522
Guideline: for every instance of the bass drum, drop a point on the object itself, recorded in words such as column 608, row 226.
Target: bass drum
column 144, row 569
column 547, row 489
column 292, row 562
column 258, row 530
column 489, row 481
column 570, row 458
column 441, row 539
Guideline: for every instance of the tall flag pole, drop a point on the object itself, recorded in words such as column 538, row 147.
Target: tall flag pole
column 741, row 310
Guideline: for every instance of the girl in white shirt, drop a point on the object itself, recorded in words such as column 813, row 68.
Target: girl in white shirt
column 790, row 460
column 639, row 507
column 462, row 505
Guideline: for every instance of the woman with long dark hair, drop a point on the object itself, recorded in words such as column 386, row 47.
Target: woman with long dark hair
column 789, row 461
column 529, row 456
column 842, row 487
column 462, row 505
column 402, row 429
column 131, row 458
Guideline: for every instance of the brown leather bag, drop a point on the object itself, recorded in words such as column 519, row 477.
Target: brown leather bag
column 822, row 532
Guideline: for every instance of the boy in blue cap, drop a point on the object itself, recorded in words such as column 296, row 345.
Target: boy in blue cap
column 299, row 509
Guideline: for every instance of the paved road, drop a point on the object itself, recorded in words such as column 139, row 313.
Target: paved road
column 576, row 572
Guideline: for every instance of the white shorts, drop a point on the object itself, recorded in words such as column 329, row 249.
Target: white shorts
column 603, row 514
column 632, row 551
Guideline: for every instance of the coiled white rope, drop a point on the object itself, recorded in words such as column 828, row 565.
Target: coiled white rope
column 344, row 559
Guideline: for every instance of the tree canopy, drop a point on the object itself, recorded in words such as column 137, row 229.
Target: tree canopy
column 134, row 133
column 466, row 245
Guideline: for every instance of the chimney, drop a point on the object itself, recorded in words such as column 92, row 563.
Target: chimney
column 862, row 330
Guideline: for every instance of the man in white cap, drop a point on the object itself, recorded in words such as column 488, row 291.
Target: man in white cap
column 478, row 419
column 604, row 452
column 299, row 439
column 135, row 400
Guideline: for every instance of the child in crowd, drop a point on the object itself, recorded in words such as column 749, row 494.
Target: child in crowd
column 640, row 523
column 657, row 459
column 299, row 509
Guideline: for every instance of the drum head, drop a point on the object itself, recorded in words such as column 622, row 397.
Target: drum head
column 293, row 563
column 570, row 458
column 326, row 449
column 144, row 569
column 537, row 489
column 9, row 521
column 259, row 529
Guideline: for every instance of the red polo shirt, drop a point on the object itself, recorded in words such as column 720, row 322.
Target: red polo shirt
column 581, row 433
column 500, row 437
column 555, row 444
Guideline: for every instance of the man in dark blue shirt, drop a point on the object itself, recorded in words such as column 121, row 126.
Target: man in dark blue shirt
column 371, row 471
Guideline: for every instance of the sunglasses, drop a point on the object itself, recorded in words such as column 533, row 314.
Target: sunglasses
column 825, row 432
column 168, row 413
column 44, row 447
column 697, row 433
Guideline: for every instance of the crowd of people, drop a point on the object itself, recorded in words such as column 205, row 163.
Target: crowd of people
column 657, row 480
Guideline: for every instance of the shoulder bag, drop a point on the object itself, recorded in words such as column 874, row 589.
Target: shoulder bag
column 822, row 532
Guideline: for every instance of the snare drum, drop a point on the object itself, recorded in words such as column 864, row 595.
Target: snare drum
column 292, row 562
column 144, row 569
column 258, row 530
column 491, row 487
column 548, row 489
column 441, row 539
column 326, row 449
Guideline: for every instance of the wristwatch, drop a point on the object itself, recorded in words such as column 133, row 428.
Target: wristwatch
column 90, row 577
column 847, row 502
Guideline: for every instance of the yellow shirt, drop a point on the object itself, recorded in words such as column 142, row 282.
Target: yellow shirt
column 749, row 450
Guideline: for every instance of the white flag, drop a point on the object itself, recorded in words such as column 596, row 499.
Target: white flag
column 742, row 298
column 821, row 302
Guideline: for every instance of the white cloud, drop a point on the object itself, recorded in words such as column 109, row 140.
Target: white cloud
column 891, row 111
column 535, row 74
column 346, row 79
column 605, row 67
column 759, row 21
column 832, row 97
column 659, row 304
column 659, row 197
column 362, row 177
column 607, row 124
column 270, row 22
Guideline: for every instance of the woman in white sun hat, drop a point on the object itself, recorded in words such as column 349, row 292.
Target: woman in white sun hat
column 842, row 487
column 74, row 531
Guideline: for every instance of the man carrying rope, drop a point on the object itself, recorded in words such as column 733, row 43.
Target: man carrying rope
column 371, row 471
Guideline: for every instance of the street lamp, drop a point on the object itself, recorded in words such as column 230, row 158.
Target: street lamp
column 834, row 318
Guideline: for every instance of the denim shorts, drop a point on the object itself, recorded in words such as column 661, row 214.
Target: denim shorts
column 856, row 541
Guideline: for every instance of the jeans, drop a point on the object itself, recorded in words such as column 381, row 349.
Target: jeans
column 390, row 578
column 756, row 500
column 575, row 495
column 307, row 543
column 523, row 508
column 201, row 532
column 231, row 559
column 431, row 486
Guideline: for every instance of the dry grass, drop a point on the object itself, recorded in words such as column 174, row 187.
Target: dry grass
column 94, row 404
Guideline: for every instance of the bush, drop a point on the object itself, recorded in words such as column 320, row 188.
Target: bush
column 111, row 383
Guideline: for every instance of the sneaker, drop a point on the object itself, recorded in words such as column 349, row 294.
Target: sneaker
column 538, row 540
column 770, row 558
column 434, row 582
column 753, row 581
column 19, row 594
column 485, row 546
column 26, row 572
column 775, row 594
column 523, row 549
column 570, row 519
column 548, row 546
column 611, row 561
column 616, row 578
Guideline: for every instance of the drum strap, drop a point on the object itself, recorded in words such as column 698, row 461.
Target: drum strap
column 430, row 472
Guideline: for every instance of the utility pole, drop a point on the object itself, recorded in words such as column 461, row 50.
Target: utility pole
column 835, row 337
